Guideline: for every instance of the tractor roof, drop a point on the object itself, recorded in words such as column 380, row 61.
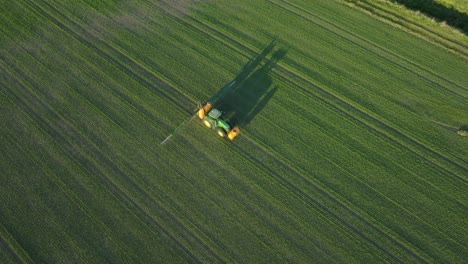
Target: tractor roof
column 214, row 113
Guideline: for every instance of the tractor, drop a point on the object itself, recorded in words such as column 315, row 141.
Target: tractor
column 213, row 118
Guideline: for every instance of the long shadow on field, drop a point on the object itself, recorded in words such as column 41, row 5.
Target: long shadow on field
column 243, row 98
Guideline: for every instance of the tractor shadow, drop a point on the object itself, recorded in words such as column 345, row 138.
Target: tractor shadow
column 252, row 88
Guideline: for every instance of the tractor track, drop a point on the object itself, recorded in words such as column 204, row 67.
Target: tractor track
column 242, row 46
column 347, row 39
column 173, row 219
column 327, row 103
column 291, row 186
column 177, row 38
column 219, row 206
column 189, row 159
column 167, row 86
column 308, row 198
column 387, row 199
column 57, row 181
column 201, row 31
column 205, row 231
column 188, row 142
column 161, row 92
column 124, row 97
column 278, row 157
column 406, row 210
column 284, row 69
column 288, row 71
column 61, row 184
column 459, row 47
column 129, row 66
column 282, row 180
column 10, row 251
column 354, row 215
column 94, row 105
column 279, row 160
column 109, row 117
column 91, row 168
column 383, row 126
column 246, row 203
column 182, row 68
column 342, row 108
column 341, row 141
column 174, row 37
column 379, row 47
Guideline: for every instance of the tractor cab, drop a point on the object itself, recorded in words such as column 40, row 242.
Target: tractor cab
column 215, row 113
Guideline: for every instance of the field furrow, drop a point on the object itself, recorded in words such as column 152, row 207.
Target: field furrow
column 420, row 148
column 118, row 58
column 348, row 151
column 425, row 32
column 368, row 46
column 87, row 161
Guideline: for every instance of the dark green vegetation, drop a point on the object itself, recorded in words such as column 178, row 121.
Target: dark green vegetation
column 449, row 14
column 345, row 162
column 439, row 11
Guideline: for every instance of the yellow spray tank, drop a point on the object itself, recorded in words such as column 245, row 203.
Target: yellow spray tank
column 204, row 110
column 233, row 133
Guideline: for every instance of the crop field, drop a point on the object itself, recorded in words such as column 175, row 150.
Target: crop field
column 348, row 151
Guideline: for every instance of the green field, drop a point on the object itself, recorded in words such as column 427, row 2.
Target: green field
column 348, row 151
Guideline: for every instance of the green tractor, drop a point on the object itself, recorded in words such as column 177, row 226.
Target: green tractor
column 212, row 118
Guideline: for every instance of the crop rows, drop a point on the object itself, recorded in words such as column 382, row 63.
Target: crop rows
column 440, row 37
column 344, row 162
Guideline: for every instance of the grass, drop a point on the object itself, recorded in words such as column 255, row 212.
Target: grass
column 431, row 27
column 341, row 157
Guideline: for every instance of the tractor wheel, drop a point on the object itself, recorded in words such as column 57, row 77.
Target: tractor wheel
column 221, row 132
column 207, row 123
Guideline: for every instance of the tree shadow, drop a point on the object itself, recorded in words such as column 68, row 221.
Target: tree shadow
column 251, row 90
column 450, row 15
column 463, row 131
